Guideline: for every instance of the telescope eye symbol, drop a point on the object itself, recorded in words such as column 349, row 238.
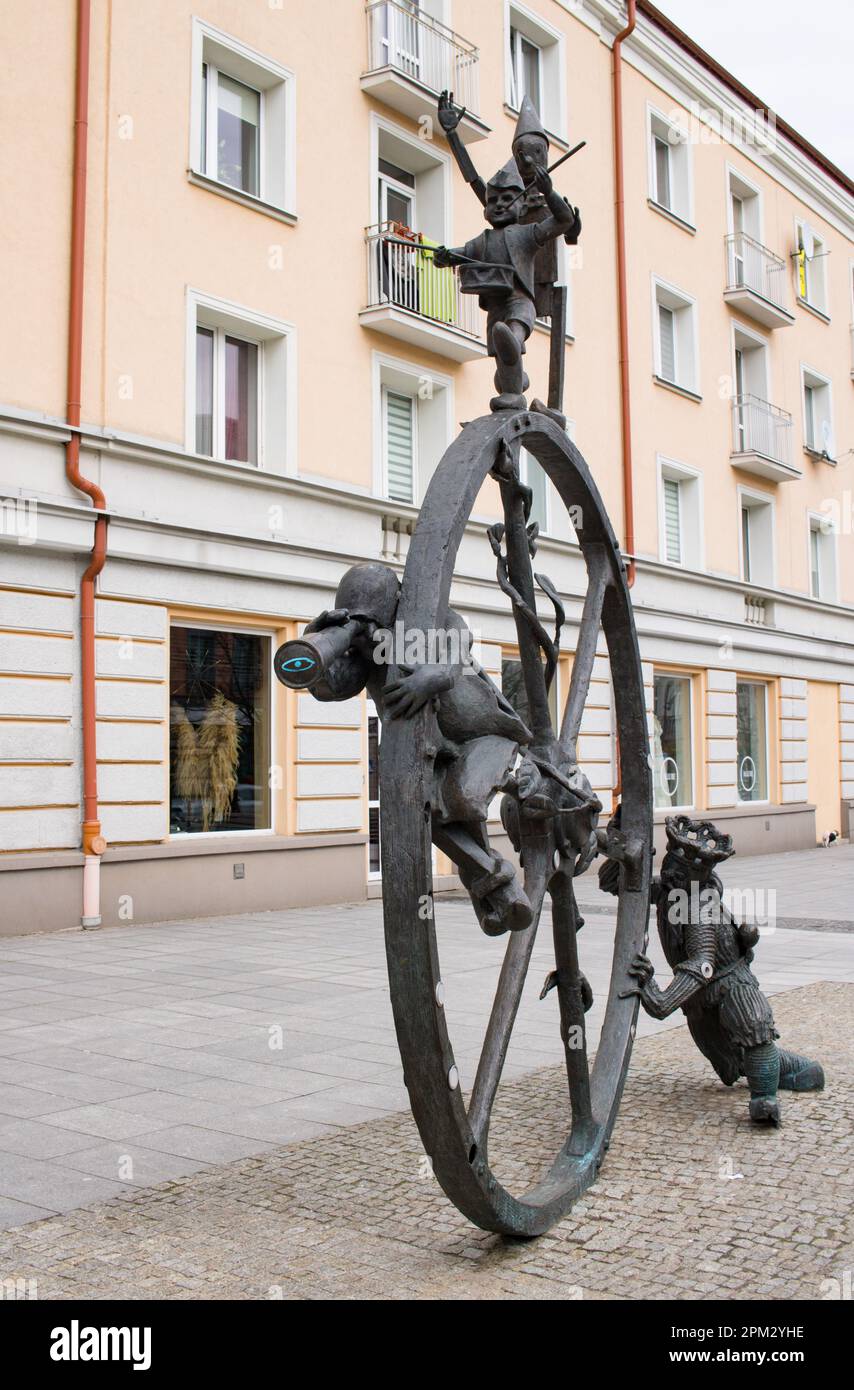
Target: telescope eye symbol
column 298, row 663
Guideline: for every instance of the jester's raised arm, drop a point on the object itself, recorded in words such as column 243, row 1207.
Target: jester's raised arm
column 449, row 118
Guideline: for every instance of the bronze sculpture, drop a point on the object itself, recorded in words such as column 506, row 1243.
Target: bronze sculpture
column 451, row 742
column 710, row 955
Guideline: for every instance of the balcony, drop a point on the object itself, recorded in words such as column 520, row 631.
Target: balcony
column 762, row 439
column 410, row 299
column 755, row 281
column 412, row 58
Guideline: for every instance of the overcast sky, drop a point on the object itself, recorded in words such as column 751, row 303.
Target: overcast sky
column 796, row 55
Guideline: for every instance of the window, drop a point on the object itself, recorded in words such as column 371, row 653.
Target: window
column 680, row 515
column 374, row 734
column 752, row 739
column 752, row 426
column 396, row 195
column 811, row 260
column 822, row 555
column 399, row 425
column 670, row 184
column 241, row 385
column 534, row 476
column 413, row 425
column 672, row 522
column 226, row 396
column 243, row 122
column 535, row 66
column 525, row 71
column 231, row 122
column 756, row 520
column 219, row 731
column 745, row 219
column 513, row 689
column 673, row 770
column 818, row 414
column 675, row 337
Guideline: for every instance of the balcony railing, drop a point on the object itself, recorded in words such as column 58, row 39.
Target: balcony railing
column 407, row 278
column 419, row 47
column 751, row 266
column 763, row 429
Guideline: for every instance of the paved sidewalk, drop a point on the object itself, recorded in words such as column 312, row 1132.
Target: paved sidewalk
column 136, row 1055
column 692, row 1202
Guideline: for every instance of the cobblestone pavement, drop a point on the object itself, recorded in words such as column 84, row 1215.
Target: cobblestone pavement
column 693, row 1201
column 143, row 1054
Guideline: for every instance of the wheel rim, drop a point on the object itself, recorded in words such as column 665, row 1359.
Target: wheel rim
column 456, row 1139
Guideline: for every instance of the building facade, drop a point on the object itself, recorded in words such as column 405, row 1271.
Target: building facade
column 268, row 384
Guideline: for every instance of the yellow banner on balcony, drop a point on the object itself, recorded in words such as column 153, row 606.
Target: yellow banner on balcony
column 802, row 273
column 437, row 290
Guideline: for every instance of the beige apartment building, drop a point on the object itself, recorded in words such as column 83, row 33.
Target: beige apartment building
column 268, row 385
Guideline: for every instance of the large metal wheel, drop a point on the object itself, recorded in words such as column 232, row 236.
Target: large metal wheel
column 455, row 1135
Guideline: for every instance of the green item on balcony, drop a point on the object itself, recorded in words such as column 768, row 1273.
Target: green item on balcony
column 436, row 287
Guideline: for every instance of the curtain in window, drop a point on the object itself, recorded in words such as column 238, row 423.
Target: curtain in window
column 667, row 339
column 400, row 441
column 752, row 742
column 672, row 521
column 241, row 400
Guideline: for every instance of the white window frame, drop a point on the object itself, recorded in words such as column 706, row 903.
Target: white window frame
column 686, row 335
column 424, row 153
column 524, row 459
column 551, row 43
column 270, row 634
column 218, row 388
column 765, row 801
column 690, row 677
column 756, row 344
column 277, row 119
column 828, row 569
column 735, row 181
column 818, row 382
column 433, row 415
column 277, row 394
column 517, row 39
column 753, row 499
column 681, row 166
column 815, row 278
column 413, row 397
column 692, row 540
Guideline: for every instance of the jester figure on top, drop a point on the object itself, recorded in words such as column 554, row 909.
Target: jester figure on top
column 512, row 267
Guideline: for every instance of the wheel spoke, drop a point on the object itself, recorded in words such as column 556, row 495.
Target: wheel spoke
column 572, row 1023
column 521, row 575
column 598, row 576
column 504, row 1009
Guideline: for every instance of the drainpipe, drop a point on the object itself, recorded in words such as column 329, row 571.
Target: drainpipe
column 92, row 839
column 619, row 205
column 623, row 312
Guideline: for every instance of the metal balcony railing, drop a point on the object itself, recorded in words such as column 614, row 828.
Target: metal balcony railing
column 404, row 38
column 407, row 277
column 751, row 266
column 760, row 428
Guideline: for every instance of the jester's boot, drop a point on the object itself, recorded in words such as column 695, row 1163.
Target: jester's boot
column 799, row 1073
column 762, row 1070
column 498, row 898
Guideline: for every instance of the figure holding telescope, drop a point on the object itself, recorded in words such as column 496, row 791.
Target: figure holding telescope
column 479, row 734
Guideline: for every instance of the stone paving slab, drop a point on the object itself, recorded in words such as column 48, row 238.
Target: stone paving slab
column 693, row 1201
column 207, row 1041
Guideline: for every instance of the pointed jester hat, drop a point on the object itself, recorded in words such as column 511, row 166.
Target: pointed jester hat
column 529, row 122
column 507, row 177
